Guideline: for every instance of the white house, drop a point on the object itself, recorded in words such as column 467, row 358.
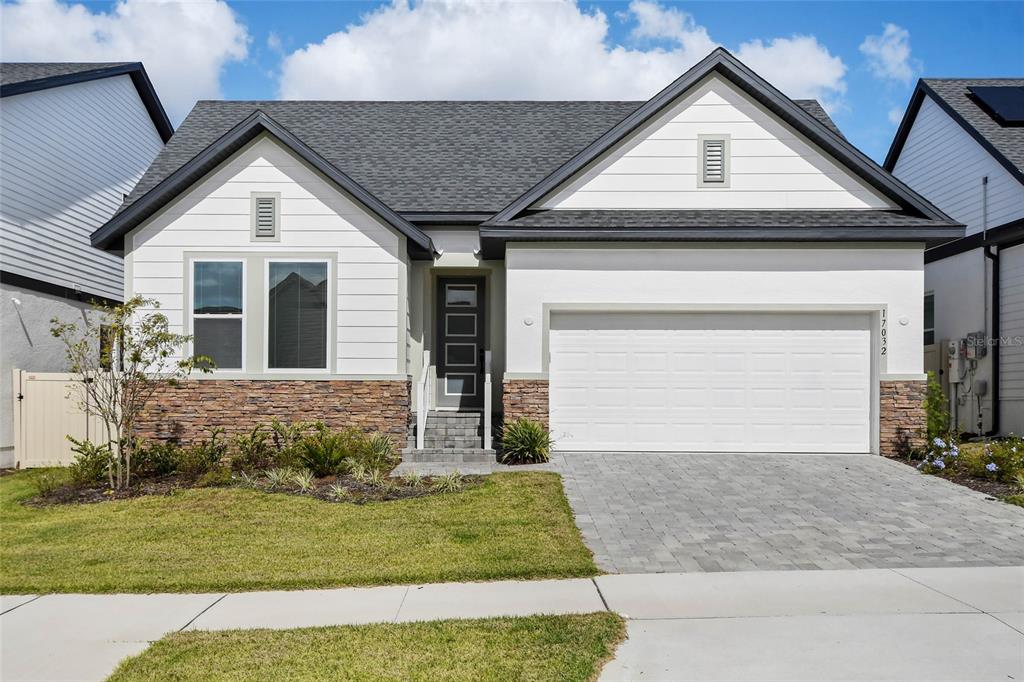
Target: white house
column 715, row 269
column 961, row 145
column 74, row 140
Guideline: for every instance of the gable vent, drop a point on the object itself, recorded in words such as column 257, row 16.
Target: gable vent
column 714, row 160
column 265, row 216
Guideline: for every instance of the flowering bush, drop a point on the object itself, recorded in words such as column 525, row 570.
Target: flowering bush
column 1001, row 460
column 943, row 453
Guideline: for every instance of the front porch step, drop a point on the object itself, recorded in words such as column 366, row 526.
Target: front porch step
column 449, row 455
column 450, row 430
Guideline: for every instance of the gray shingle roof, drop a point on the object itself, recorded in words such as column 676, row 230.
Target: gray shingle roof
column 472, row 157
column 22, row 72
column 1007, row 141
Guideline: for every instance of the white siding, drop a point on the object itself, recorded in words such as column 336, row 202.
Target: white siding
column 1011, row 358
column 943, row 163
column 214, row 217
column 69, row 155
column 771, row 166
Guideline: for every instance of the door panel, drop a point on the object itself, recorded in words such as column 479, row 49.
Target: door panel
column 460, row 341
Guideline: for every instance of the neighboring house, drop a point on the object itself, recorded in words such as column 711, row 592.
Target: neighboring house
column 74, row 140
column 715, row 269
column 961, row 145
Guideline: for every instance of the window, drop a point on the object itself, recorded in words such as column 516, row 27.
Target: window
column 297, row 315
column 266, row 216
column 714, row 158
column 929, row 319
column 460, row 295
column 217, row 311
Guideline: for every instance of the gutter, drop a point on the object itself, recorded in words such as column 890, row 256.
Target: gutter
column 994, row 257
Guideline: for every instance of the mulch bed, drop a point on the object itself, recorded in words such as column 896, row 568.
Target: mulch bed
column 356, row 492
column 995, row 489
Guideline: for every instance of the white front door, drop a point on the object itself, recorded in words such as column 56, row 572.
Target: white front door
column 715, row 382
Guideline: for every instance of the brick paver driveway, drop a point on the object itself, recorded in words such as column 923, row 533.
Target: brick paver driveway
column 732, row 512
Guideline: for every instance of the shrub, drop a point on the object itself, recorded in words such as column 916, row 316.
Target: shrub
column 215, row 477
column 156, row 459
column 412, row 480
column 449, row 483
column 92, row 462
column 377, row 452
column 936, row 409
column 200, row 457
column 285, row 439
column 337, row 492
column 943, row 454
column 279, row 478
column 303, row 480
column 324, row 452
column 47, row 482
column 253, row 450
column 375, row 478
column 525, row 442
column 999, row 460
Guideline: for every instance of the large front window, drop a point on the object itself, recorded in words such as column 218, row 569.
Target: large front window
column 217, row 312
column 297, row 315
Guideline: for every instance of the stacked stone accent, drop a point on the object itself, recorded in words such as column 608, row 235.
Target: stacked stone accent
column 902, row 419
column 185, row 412
column 525, row 398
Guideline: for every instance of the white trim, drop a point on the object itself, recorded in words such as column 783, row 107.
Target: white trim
column 331, row 304
column 903, row 377
column 190, row 304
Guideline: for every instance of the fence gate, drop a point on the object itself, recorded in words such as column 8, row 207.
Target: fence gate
column 47, row 408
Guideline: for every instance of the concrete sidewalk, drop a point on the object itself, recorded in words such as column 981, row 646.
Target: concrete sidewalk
column 958, row 623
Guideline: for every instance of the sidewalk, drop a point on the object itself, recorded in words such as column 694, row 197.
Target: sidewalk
column 958, row 623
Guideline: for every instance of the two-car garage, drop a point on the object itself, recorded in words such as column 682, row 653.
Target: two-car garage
column 711, row 381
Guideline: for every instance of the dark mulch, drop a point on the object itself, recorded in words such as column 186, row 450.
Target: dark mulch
column 324, row 489
column 995, row 489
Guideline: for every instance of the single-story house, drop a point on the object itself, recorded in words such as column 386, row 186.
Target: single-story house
column 714, row 269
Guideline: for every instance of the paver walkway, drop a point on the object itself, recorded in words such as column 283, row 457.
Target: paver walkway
column 732, row 512
column 965, row 623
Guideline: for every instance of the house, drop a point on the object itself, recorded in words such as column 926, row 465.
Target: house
column 714, row 269
column 74, row 140
column 961, row 145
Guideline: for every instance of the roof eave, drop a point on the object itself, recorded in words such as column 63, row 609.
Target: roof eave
column 110, row 235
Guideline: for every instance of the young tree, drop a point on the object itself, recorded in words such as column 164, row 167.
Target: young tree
column 122, row 356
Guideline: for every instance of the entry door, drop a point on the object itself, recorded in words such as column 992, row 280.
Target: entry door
column 768, row 382
column 460, row 342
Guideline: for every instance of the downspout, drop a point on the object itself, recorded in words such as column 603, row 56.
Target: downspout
column 994, row 257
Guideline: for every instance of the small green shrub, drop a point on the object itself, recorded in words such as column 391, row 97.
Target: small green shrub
column 375, row 478
column 92, row 462
column 525, row 441
column 943, row 454
column 999, row 460
column 202, row 456
column 285, row 439
column 412, row 480
column 338, row 492
column 1015, row 499
column 279, row 478
column 449, row 483
column 253, row 450
column 377, row 452
column 936, row 409
column 247, row 480
column 47, row 482
column 303, row 480
column 157, row 458
column 216, row 477
column 324, row 452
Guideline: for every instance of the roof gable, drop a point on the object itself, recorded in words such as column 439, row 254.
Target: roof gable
column 723, row 64
column 112, row 234
column 17, row 78
column 771, row 166
column 1004, row 142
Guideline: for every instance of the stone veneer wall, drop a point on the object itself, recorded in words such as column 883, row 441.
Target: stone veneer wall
column 184, row 412
column 525, row 398
column 902, row 419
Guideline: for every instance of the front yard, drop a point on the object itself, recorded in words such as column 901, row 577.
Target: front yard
column 515, row 525
column 534, row 648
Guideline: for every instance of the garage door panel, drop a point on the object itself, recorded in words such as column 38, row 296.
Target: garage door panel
column 711, row 382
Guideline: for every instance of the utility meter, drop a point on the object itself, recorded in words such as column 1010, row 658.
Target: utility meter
column 956, row 361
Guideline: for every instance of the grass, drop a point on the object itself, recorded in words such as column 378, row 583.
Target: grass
column 534, row 648
column 515, row 525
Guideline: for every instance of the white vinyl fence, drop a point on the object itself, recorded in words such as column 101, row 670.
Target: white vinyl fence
column 47, row 409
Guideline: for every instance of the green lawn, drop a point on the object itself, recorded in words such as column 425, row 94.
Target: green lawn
column 535, row 648
column 515, row 525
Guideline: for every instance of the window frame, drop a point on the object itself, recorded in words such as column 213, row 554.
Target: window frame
column 328, row 367
column 924, row 320
column 726, row 140
column 243, row 316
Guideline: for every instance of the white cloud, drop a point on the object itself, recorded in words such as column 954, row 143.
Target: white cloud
column 183, row 45
column 895, row 115
column 450, row 49
column 888, row 54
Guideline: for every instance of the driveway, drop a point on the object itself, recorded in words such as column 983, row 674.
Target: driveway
column 655, row 512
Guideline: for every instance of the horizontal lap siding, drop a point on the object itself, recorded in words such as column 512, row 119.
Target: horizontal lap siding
column 69, row 155
column 214, row 218
column 770, row 165
column 942, row 162
column 1011, row 329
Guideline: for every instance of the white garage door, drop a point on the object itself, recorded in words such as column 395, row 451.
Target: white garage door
column 768, row 382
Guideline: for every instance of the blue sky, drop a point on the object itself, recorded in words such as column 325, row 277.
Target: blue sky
column 549, row 50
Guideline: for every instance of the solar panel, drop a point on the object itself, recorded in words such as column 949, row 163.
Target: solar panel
column 1004, row 103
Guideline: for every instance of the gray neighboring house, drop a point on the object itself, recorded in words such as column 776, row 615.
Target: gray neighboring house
column 74, row 141
column 961, row 146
